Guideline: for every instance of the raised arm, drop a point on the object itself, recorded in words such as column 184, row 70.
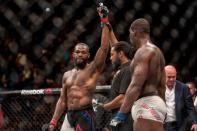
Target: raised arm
column 103, row 12
column 112, row 38
column 102, row 52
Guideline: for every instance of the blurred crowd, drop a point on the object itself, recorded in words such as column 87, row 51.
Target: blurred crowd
column 36, row 46
column 19, row 71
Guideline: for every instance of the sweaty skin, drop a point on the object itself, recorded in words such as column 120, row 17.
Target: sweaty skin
column 148, row 72
column 78, row 85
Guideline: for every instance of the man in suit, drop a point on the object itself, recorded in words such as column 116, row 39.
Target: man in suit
column 179, row 103
column 192, row 89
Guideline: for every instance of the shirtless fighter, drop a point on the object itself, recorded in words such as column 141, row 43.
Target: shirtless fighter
column 147, row 88
column 78, row 86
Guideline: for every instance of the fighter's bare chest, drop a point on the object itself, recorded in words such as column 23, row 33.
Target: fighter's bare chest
column 76, row 78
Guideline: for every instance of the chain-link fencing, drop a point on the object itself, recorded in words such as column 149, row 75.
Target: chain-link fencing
column 31, row 112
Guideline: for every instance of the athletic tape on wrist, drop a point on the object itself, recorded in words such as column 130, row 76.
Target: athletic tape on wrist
column 105, row 20
column 121, row 115
column 53, row 122
column 108, row 25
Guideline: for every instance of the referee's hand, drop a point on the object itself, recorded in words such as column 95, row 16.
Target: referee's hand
column 45, row 127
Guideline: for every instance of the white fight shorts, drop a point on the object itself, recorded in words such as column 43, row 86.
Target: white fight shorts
column 66, row 125
column 149, row 107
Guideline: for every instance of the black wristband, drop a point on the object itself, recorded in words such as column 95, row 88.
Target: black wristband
column 108, row 25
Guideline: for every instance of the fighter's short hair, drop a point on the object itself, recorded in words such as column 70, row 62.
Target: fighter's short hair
column 141, row 25
column 83, row 44
column 125, row 47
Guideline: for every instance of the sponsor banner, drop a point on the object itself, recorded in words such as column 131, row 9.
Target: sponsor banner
column 32, row 92
column 48, row 91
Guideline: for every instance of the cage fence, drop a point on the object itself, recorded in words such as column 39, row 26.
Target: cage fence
column 31, row 112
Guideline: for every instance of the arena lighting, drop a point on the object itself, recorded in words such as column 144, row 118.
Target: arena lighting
column 184, row 46
column 165, row 20
column 176, row 57
column 119, row 4
column 157, row 31
column 174, row 33
column 179, row 2
column 166, row 45
column 138, row 5
column 46, row 31
column 155, row 6
column 182, row 22
column 30, row 28
column 173, row 9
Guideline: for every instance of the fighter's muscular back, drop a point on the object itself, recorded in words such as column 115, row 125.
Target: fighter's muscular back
column 150, row 61
column 79, row 86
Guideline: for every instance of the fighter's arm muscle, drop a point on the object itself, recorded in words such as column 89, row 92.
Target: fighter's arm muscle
column 140, row 74
column 162, row 88
column 101, row 54
column 115, row 103
column 61, row 103
column 113, row 39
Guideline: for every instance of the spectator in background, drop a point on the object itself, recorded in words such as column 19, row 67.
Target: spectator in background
column 179, row 103
column 188, row 123
column 193, row 89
